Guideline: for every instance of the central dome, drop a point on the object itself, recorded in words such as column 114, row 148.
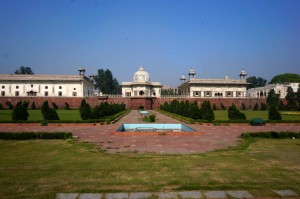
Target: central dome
column 141, row 76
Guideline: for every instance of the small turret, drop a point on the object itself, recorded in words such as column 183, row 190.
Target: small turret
column 183, row 78
column 192, row 74
column 243, row 74
column 81, row 71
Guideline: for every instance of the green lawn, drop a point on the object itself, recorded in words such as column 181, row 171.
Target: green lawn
column 5, row 115
column 39, row 169
column 222, row 115
column 34, row 115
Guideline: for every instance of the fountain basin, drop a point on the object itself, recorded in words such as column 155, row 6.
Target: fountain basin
column 154, row 128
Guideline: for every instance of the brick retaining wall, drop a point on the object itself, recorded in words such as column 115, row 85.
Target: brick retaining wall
column 131, row 103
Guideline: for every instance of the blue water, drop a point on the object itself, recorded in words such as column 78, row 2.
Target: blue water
column 154, row 128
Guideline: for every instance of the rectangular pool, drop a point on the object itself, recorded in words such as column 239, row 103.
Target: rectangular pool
column 154, row 128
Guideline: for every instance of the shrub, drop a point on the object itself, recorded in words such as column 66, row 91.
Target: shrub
column 255, row 108
column 222, row 106
column 9, row 105
column 33, row 106
column 214, row 107
column 152, row 118
column 96, row 112
column 44, row 123
column 20, row 112
column 85, row 111
column 263, row 107
column 54, row 106
column 274, row 114
column 50, row 114
column 141, row 108
column 281, row 106
column 272, row 134
column 45, row 107
column 235, row 114
column 66, row 107
column 1, row 107
column 243, row 106
column 207, row 112
column 35, row 135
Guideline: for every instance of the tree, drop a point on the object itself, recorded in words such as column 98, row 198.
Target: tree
column 235, row 114
column 105, row 82
column 285, row 78
column 274, row 114
column 24, row 70
column 85, row 110
column 207, row 112
column 45, row 107
column 33, row 106
column 50, row 114
column 291, row 99
column 273, row 98
column 255, row 108
column 263, row 107
column 256, row 82
column 20, row 112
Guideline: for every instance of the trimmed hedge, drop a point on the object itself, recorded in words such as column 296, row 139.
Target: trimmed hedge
column 272, row 134
column 34, row 135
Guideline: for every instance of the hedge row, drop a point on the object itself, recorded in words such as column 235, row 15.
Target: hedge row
column 34, row 135
column 272, row 134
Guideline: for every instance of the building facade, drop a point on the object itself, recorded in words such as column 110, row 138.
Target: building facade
column 262, row 92
column 141, row 86
column 15, row 85
column 213, row 88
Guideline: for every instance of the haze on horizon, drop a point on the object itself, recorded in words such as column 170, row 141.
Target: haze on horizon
column 215, row 38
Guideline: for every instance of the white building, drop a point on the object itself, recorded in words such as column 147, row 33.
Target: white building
column 141, row 86
column 262, row 92
column 213, row 88
column 46, row 85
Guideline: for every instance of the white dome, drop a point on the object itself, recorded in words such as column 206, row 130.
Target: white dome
column 141, row 76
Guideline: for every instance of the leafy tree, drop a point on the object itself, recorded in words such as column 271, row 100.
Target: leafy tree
column 207, row 112
column 45, row 106
column 54, row 106
column 255, row 108
column 195, row 111
column 222, row 106
column 273, row 98
column 20, row 112
column 256, row 82
column 214, row 106
column 105, row 82
column 85, row 110
column 9, row 105
column 66, row 107
column 263, row 107
column 235, row 114
column 243, row 106
column 274, row 114
column 285, row 78
column 33, row 106
column 291, row 99
column 24, row 70
column 50, row 114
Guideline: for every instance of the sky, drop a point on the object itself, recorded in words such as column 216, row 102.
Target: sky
column 167, row 37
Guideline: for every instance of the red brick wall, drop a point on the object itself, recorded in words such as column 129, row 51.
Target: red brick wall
column 131, row 103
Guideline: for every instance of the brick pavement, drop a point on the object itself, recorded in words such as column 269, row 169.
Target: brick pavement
column 210, row 138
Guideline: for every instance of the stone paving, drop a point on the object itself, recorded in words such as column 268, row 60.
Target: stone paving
column 240, row 194
column 211, row 137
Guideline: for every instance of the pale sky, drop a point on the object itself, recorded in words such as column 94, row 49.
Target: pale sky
column 167, row 37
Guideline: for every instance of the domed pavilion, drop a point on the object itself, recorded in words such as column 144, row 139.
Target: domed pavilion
column 141, row 86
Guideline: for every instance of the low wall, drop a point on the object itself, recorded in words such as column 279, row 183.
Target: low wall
column 131, row 103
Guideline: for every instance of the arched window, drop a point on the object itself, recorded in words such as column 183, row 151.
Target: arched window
column 17, row 87
column 3, row 86
column 74, row 89
column 46, row 87
column 60, row 87
column 141, row 93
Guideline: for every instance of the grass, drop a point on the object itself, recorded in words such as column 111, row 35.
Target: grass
column 71, row 166
column 36, row 115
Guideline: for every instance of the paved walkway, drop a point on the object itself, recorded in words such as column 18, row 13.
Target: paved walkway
column 211, row 137
column 176, row 195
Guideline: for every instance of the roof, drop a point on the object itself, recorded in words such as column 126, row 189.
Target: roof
column 17, row 77
column 216, row 81
column 141, row 83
